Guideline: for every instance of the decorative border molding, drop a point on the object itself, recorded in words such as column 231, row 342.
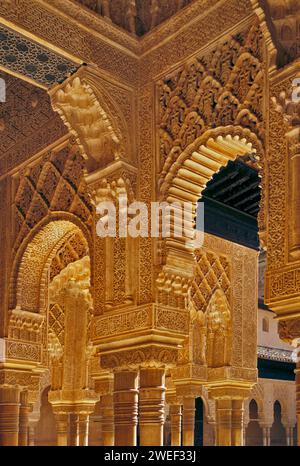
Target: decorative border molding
column 22, row 56
column 23, row 351
column 275, row 354
column 126, row 321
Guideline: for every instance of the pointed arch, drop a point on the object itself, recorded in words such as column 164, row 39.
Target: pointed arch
column 187, row 176
column 32, row 263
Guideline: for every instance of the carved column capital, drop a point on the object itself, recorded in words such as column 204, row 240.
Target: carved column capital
column 155, row 357
column 80, row 109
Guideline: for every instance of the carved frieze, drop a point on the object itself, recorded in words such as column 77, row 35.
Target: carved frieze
column 144, row 317
column 19, row 350
column 25, row 326
column 124, row 322
column 24, row 56
column 285, row 282
column 218, row 89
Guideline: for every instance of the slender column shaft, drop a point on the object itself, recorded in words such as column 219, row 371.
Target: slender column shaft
column 23, row 419
column 9, row 416
column 31, row 435
column 176, row 417
column 289, row 436
column 266, row 436
column 126, row 408
column 223, row 408
column 107, row 412
column 73, row 428
column 237, row 423
column 188, row 422
column 83, row 430
column 62, row 429
column 152, row 406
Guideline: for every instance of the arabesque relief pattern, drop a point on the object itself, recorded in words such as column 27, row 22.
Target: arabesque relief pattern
column 52, row 184
column 223, row 88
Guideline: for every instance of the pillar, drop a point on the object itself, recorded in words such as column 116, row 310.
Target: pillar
column 31, row 434
column 152, row 405
column 266, row 436
column 95, row 426
column 289, row 435
column 83, row 429
column 9, row 415
column 126, row 408
column 62, row 429
column 223, row 418
column 176, row 417
column 73, row 428
column 23, row 419
column 188, row 422
column 107, row 415
column 237, row 423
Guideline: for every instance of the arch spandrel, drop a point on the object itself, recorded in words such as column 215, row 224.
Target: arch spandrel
column 211, row 110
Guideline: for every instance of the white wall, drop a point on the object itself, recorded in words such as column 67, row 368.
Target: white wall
column 270, row 338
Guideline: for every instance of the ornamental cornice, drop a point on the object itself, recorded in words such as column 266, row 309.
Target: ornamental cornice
column 283, row 289
column 275, row 354
column 24, row 351
column 70, row 30
column 139, row 319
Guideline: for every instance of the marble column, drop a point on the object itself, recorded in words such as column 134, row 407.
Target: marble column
column 266, row 436
column 107, row 415
column 223, row 421
column 237, row 423
column 289, row 431
column 126, row 408
column 62, row 429
column 31, row 434
column 188, row 422
column 9, row 415
column 83, row 429
column 176, row 418
column 73, row 430
column 152, row 405
column 23, row 419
